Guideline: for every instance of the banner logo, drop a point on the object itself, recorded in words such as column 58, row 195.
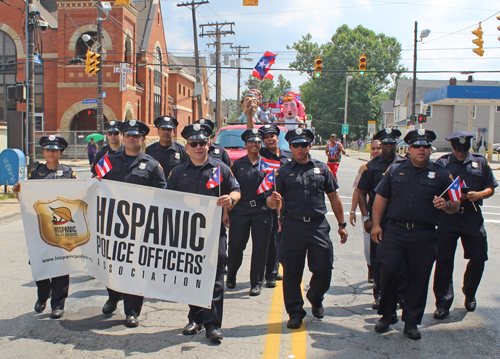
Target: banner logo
column 63, row 223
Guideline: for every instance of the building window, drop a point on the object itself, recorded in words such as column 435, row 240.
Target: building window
column 189, row 92
column 157, row 84
column 128, row 49
column 183, row 90
column 179, row 89
column 498, row 108
column 8, row 74
column 82, row 46
column 474, row 112
column 428, row 112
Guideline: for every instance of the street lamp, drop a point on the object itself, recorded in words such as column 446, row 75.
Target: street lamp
column 347, row 80
column 423, row 33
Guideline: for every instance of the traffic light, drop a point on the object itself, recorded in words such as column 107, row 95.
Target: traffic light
column 318, row 65
column 88, row 61
column 421, row 118
column 92, row 112
column 479, row 41
column 362, row 65
column 122, row 2
column 92, row 62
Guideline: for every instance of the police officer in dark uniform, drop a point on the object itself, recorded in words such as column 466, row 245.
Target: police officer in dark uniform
column 115, row 140
column 251, row 213
column 52, row 149
column 132, row 166
column 410, row 191
column 468, row 224
column 216, row 151
column 369, row 180
column 168, row 152
column 302, row 183
column 192, row 177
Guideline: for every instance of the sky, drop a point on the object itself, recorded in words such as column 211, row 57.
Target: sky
column 274, row 24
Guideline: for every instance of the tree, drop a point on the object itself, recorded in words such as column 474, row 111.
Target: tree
column 269, row 91
column 324, row 97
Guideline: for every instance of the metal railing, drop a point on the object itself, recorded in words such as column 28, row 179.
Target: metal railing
column 76, row 143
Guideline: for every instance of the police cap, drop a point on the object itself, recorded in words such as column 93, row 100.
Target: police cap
column 134, row 127
column 253, row 134
column 53, row 142
column 299, row 135
column 196, row 132
column 420, row 137
column 166, row 122
column 387, row 135
column 112, row 126
column 206, row 121
column 460, row 141
column 270, row 128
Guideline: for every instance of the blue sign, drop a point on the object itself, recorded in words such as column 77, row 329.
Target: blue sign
column 89, row 100
column 12, row 166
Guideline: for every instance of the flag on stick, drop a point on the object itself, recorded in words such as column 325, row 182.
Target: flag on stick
column 103, row 166
column 266, row 165
column 214, row 181
column 267, row 183
column 262, row 69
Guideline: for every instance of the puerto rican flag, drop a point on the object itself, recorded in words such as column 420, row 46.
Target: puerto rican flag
column 262, row 69
column 266, row 165
column 103, row 166
column 215, row 180
column 267, row 183
column 455, row 190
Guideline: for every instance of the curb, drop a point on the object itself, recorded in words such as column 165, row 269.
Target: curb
column 7, row 216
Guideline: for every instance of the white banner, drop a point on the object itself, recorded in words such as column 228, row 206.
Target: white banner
column 140, row 240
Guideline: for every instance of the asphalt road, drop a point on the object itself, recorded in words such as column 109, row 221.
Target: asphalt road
column 254, row 327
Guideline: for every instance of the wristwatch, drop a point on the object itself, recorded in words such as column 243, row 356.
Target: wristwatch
column 233, row 201
column 343, row 224
column 365, row 218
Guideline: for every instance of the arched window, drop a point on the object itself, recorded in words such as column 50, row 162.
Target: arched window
column 82, row 46
column 128, row 49
column 157, row 83
column 8, row 74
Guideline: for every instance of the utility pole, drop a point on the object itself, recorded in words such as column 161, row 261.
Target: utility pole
column 198, row 86
column 30, row 77
column 239, row 49
column 100, row 115
column 414, row 94
column 218, row 32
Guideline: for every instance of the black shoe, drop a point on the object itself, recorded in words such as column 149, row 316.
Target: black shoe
column 441, row 313
column 294, row 323
column 412, row 331
column 317, row 310
column 109, row 307
column 271, row 283
column 57, row 314
column 231, row 283
column 383, row 324
column 470, row 304
column 192, row 328
column 279, row 276
column 213, row 333
column 40, row 306
column 255, row 290
column 131, row 321
column 376, row 303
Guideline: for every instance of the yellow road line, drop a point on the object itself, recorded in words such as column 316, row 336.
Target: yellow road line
column 299, row 339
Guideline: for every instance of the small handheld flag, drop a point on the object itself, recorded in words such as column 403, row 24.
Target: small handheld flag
column 266, row 165
column 214, row 181
column 455, row 190
column 103, row 166
column 262, row 69
column 267, row 183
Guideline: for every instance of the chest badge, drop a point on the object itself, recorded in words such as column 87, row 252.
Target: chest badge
column 216, row 151
column 59, row 173
column 431, row 175
column 474, row 165
column 317, row 171
column 177, row 156
column 142, row 166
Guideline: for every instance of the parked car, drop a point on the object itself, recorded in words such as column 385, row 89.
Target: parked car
column 229, row 137
column 496, row 147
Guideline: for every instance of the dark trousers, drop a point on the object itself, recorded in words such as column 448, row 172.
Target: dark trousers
column 375, row 271
column 131, row 303
column 469, row 227
column 59, row 286
column 213, row 315
column 241, row 224
column 417, row 249
column 298, row 240
column 272, row 264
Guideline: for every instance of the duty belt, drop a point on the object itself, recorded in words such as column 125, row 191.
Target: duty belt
column 253, row 203
column 463, row 210
column 303, row 218
column 408, row 225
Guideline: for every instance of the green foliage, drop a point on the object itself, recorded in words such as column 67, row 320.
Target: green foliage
column 269, row 91
column 324, row 98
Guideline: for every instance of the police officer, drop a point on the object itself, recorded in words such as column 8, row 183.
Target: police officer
column 115, row 140
column 467, row 223
column 302, row 183
column 132, row 166
column 192, row 177
column 370, row 178
column 251, row 213
column 168, row 152
column 216, row 151
column 52, row 149
column 410, row 192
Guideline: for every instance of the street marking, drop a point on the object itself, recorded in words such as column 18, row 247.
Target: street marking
column 273, row 340
column 299, row 339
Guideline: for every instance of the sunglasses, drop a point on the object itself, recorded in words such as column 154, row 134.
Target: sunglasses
column 420, row 146
column 196, row 143
column 113, row 133
column 301, row 144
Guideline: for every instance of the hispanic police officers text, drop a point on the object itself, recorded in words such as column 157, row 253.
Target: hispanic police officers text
column 302, row 183
column 476, row 175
